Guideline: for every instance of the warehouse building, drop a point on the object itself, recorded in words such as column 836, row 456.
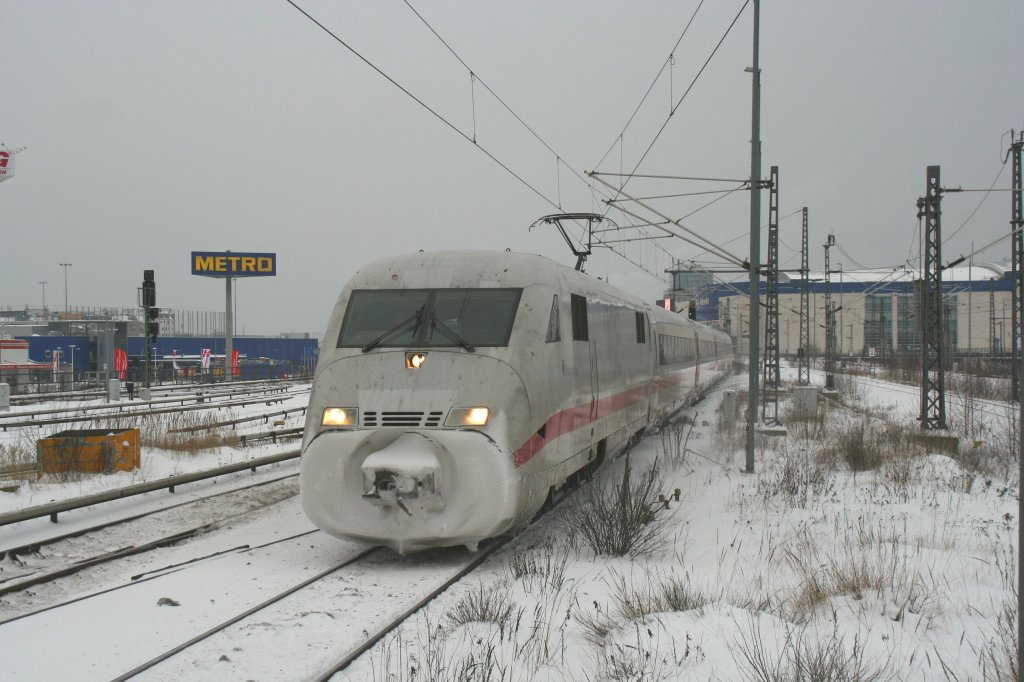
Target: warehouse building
column 878, row 310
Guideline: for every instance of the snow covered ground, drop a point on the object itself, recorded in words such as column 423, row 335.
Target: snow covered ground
column 899, row 570
column 805, row 570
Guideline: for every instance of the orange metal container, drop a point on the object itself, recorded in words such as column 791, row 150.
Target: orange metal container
column 92, row 451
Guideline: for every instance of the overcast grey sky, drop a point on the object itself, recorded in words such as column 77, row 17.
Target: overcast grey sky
column 158, row 128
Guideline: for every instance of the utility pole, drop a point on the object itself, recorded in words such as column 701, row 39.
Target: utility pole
column 970, row 309
column 755, row 240
column 830, row 321
column 770, row 398
column 65, row 266
column 804, row 349
column 992, row 318
column 933, row 352
column 1017, row 225
column 228, row 336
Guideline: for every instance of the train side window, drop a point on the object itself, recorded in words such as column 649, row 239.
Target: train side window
column 580, row 326
column 554, row 329
column 641, row 329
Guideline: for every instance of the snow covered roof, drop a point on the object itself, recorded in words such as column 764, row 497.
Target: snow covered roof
column 960, row 273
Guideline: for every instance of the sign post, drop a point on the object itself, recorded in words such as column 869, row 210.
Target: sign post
column 229, row 265
column 229, row 336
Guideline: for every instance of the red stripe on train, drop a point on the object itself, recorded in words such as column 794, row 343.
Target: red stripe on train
column 572, row 418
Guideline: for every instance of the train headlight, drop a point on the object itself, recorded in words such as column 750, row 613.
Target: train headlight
column 415, row 360
column 468, row 416
column 340, row 416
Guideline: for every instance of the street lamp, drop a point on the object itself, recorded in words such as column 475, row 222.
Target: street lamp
column 43, row 282
column 72, row 347
column 65, row 266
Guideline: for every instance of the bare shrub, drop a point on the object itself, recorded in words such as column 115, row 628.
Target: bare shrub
column 597, row 625
column 898, row 472
column 797, row 476
column 541, row 568
column 624, row 519
column 985, row 388
column 485, row 605
column 17, row 454
column 674, row 438
column 656, row 594
column 851, row 446
column 994, row 452
column 851, row 390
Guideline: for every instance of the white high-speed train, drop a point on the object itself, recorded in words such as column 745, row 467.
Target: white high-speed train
column 455, row 390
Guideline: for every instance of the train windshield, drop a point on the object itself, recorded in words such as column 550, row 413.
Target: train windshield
column 429, row 318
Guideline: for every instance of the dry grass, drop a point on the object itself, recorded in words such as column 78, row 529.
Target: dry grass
column 796, row 476
column 156, row 431
column 540, row 569
column 485, row 605
column 805, row 658
column 657, row 594
column 15, row 454
column 624, row 519
column 999, row 655
column 674, row 439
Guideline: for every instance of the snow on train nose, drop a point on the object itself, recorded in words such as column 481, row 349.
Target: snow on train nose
column 405, row 470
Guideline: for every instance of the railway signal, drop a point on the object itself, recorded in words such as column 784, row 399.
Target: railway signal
column 147, row 299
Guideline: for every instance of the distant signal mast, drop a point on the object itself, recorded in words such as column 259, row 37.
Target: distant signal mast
column 7, row 161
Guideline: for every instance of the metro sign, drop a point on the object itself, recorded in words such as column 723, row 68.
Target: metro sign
column 233, row 264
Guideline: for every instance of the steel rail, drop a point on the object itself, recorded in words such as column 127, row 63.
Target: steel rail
column 157, row 573
column 91, row 394
column 347, row 660
column 181, row 400
column 55, row 508
column 232, row 422
column 142, row 413
column 139, row 407
column 245, row 614
column 32, row 547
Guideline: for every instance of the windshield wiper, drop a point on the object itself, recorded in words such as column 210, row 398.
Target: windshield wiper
column 444, row 329
column 394, row 330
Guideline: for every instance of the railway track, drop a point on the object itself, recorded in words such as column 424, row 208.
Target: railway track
column 194, row 608
column 236, row 387
column 82, row 415
column 47, row 559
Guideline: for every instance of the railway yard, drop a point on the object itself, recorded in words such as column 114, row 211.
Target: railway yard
column 226, row 578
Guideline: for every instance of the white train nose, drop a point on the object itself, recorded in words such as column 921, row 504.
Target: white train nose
column 406, row 469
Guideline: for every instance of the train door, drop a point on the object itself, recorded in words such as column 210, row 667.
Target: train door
column 652, row 385
column 696, row 359
column 585, row 375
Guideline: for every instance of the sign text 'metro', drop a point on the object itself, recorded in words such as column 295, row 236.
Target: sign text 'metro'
column 233, row 264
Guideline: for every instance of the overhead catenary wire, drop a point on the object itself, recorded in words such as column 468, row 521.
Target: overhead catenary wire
column 476, row 78
column 689, row 88
column 989, row 191
column 668, row 62
column 423, row 104
column 707, row 244
column 558, row 159
column 453, row 127
column 612, row 203
column 473, row 138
